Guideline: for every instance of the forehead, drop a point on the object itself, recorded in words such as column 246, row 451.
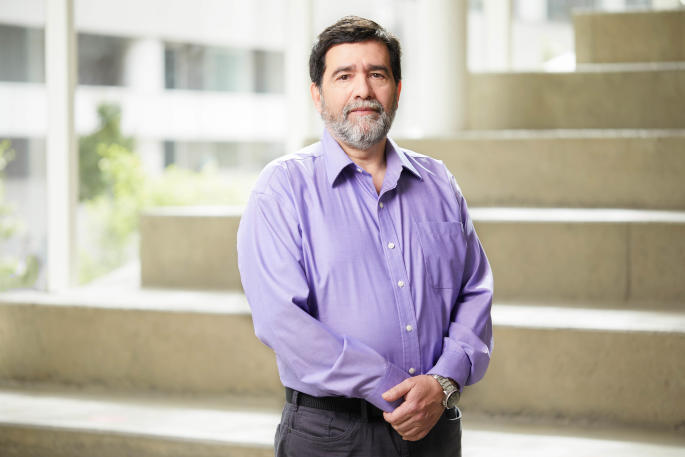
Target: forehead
column 363, row 54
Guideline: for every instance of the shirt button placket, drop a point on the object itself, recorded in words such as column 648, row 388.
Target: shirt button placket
column 405, row 301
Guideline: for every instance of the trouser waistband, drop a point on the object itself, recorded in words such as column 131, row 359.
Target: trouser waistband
column 356, row 406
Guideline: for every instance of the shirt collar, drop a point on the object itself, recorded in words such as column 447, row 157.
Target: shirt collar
column 394, row 152
column 336, row 160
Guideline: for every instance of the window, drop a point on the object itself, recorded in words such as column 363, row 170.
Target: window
column 269, row 70
column 101, row 60
column 247, row 156
column 197, row 67
column 22, row 54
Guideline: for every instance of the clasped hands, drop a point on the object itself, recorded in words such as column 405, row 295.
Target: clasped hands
column 421, row 409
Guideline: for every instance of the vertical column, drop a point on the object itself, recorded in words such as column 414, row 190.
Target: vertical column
column 443, row 77
column 667, row 4
column 299, row 39
column 532, row 10
column 144, row 65
column 498, row 24
column 144, row 78
column 613, row 5
column 62, row 160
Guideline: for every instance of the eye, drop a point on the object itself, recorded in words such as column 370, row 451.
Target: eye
column 377, row 75
column 343, row 77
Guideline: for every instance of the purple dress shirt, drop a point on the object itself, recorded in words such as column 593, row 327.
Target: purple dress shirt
column 356, row 291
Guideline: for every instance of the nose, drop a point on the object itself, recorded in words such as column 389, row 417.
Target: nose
column 362, row 88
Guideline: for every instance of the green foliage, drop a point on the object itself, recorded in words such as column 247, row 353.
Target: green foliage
column 113, row 215
column 14, row 272
column 182, row 187
column 91, row 181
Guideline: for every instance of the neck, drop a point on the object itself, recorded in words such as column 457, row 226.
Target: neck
column 372, row 160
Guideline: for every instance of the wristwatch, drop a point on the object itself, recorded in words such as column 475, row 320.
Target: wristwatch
column 451, row 391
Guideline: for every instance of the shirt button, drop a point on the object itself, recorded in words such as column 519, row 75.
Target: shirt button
column 380, row 204
column 359, row 170
column 412, row 371
column 391, row 245
column 400, row 283
column 409, row 328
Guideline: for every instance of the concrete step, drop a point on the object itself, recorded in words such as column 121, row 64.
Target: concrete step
column 575, row 363
column 207, row 257
column 126, row 338
column 83, row 425
column 631, row 36
column 590, row 364
column 601, row 97
column 565, row 168
column 625, row 256
column 58, row 423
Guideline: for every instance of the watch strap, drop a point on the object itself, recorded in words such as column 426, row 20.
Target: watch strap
column 450, row 390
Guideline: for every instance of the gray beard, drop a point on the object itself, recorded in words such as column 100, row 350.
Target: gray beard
column 363, row 134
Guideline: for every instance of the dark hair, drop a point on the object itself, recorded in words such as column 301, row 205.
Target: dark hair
column 352, row 29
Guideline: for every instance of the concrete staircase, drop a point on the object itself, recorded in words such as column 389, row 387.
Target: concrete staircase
column 584, row 225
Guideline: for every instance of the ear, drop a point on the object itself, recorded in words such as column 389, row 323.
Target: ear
column 399, row 89
column 316, row 96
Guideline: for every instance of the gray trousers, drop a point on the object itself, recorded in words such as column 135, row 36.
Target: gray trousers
column 310, row 432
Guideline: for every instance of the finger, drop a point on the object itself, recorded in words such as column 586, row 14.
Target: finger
column 401, row 414
column 415, row 423
column 414, row 434
column 397, row 392
column 404, row 425
column 415, row 437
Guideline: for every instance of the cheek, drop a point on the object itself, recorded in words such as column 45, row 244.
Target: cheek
column 337, row 106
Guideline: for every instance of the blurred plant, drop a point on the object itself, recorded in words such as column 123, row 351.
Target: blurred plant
column 14, row 272
column 126, row 190
column 91, row 181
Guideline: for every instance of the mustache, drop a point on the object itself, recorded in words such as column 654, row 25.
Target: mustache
column 374, row 105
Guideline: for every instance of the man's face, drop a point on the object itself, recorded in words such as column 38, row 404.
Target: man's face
column 358, row 95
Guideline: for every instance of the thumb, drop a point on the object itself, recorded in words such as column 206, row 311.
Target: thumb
column 399, row 391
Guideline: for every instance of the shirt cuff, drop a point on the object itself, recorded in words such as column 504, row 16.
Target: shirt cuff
column 393, row 376
column 456, row 366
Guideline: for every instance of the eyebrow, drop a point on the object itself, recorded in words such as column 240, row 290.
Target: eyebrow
column 370, row 68
column 343, row 69
column 379, row 68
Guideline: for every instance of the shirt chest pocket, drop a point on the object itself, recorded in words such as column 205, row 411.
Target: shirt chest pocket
column 443, row 247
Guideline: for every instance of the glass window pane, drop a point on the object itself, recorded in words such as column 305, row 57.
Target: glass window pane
column 185, row 122
column 101, row 59
column 23, row 237
column 21, row 54
column 269, row 71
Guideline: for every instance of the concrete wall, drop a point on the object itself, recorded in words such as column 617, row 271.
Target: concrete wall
column 189, row 247
column 605, row 98
column 636, row 36
column 578, row 169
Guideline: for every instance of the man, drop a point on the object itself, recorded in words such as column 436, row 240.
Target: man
column 363, row 271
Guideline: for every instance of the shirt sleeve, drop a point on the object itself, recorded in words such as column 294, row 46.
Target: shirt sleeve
column 468, row 345
column 273, row 275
